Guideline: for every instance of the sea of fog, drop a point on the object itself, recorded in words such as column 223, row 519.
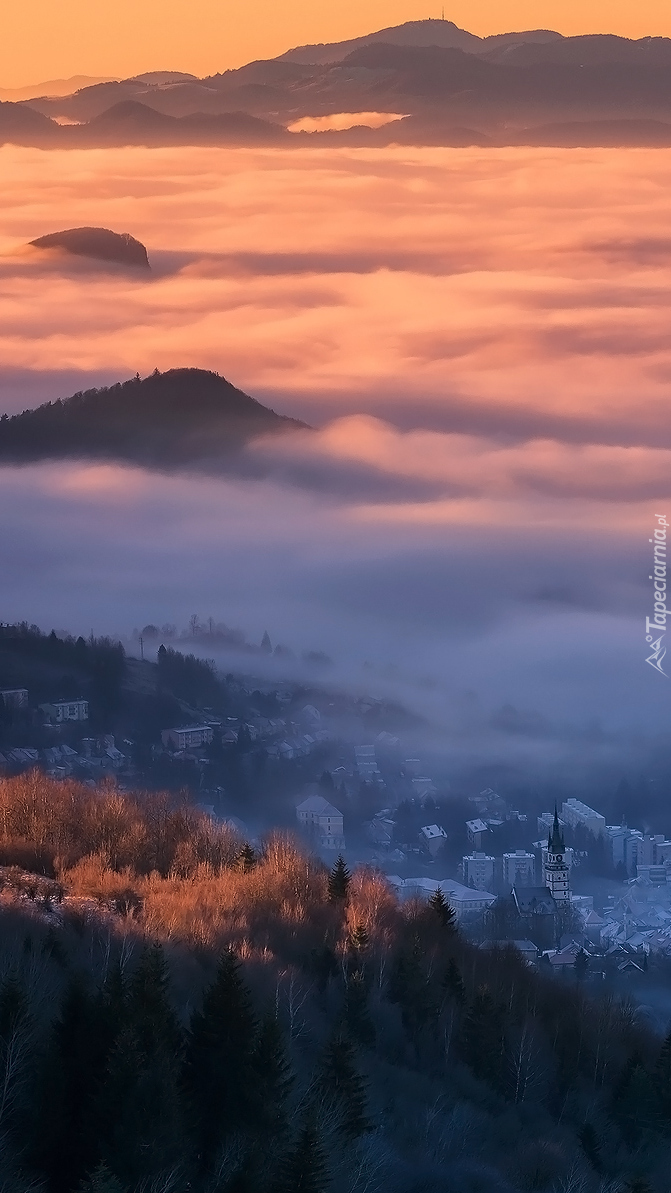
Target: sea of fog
column 480, row 338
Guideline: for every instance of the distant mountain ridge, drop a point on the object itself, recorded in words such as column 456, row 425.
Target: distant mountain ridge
column 529, row 87
column 180, row 418
column 430, row 32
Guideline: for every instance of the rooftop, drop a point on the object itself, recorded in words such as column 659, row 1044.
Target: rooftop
column 317, row 803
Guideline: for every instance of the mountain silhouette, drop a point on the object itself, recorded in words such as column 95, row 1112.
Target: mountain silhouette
column 22, row 125
column 180, row 418
column 98, row 243
column 454, row 88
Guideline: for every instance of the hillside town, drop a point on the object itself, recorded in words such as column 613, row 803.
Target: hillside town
column 509, row 876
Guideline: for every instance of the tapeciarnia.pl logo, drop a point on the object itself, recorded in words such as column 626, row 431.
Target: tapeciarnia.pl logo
column 658, row 621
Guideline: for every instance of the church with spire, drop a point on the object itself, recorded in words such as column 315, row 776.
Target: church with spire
column 556, row 870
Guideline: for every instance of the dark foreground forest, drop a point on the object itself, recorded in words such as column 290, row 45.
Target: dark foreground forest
column 180, row 1012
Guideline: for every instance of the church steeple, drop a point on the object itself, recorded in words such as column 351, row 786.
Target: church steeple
column 556, row 871
column 556, row 837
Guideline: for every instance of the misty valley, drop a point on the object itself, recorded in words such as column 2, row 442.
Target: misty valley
column 335, row 760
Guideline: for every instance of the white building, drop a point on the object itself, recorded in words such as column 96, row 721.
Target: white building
column 632, row 845
column 59, row 711
column 478, row 871
column 463, row 900
column 575, row 813
column 519, row 868
column 187, row 737
column 14, row 697
column 545, row 822
column 433, row 837
column 366, row 763
column 476, row 831
column 412, row 767
column 321, row 821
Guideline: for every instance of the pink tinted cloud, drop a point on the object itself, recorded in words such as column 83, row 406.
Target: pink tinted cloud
column 511, row 280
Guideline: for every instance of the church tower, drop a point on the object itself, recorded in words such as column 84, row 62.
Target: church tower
column 555, row 867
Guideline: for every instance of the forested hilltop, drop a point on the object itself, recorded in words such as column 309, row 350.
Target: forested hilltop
column 180, row 417
column 179, row 1011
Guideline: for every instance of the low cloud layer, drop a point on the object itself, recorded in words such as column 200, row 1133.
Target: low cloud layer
column 481, row 340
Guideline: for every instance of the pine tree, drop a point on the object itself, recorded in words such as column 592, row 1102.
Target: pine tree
column 139, row 1111
column 246, row 858
column 356, row 1018
column 304, row 1169
column 589, row 1141
column 339, row 880
column 636, row 1100
column 409, row 987
column 358, row 939
column 482, row 1037
column 101, row 1181
column 66, row 1144
column 219, row 1073
column 149, row 1007
column 454, row 983
column 324, row 964
column 439, row 904
column 662, row 1080
column 638, row 1184
column 581, row 965
column 341, row 1081
column 272, row 1076
column 266, row 644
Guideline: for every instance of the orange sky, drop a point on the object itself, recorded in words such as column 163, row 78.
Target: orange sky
column 45, row 40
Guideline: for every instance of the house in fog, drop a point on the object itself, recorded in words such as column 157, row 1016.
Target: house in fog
column 478, row 870
column 60, row 711
column 14, row 698
column 433, row 837
column 519, row 868
column 476, row 831
column 321, row 821
column 466, row 903
column 187, row 737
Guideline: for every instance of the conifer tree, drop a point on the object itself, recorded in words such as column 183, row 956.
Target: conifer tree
column 341, row 1081
column 77, row 1053
column 356, row 1018
column 140, row 1113
column 581, row 965
column 304, row 1169
column 149, row 1005
column 636, row 1100
column 219, row 1071
column 246, row 859
column 589, row 1141
column 662, row 1080
column 638, row 1184
column 101, row 1181
column 482, row 1037
column 358, row 939
column 324, row 964
column 454, row 983
column 272, row 1076
column 339, row 880
column 439, row 904
column 409, row 987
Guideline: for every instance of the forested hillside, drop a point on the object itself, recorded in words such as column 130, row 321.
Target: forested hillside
column 178, row 1011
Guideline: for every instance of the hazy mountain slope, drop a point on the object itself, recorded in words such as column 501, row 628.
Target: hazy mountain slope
column 21, row 125
column 181, row 417
column 417, row 33
column 500, row 88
